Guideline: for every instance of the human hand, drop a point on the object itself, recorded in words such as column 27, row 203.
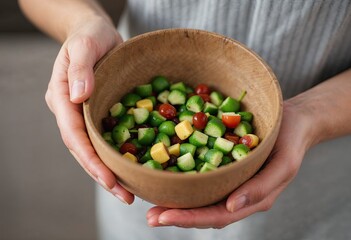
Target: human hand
column 258, row 193
column 71, row 83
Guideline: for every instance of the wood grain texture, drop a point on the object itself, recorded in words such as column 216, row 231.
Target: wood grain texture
column 192, row 56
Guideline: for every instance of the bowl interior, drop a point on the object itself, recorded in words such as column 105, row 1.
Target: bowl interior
column 194, row 57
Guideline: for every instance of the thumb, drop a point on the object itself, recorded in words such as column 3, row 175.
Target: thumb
column 82, row 58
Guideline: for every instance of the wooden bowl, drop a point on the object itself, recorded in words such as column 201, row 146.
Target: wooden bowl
column 192, row 56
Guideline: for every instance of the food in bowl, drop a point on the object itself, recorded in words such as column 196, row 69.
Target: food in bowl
column 195, row 57
column 177, row 128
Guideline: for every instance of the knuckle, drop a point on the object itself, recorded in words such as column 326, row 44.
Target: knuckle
column 266, row 205
column 87, row 42
column 258, row 195
column 77, row 68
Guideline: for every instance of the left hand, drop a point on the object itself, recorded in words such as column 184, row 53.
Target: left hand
column 257, row 194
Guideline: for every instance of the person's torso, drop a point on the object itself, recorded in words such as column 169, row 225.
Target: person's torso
column 304, row 41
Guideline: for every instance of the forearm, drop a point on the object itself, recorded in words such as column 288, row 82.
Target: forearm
column 59, row 18
column 327, row 107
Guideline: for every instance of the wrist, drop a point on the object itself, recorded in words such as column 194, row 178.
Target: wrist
column 307, row 120
column 89, row 19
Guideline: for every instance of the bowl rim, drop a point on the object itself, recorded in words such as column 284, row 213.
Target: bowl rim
column 181, row 176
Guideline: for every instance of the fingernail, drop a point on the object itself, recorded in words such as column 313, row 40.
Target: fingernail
column 78, row 89
column 103, row 184
column 121, row 199
column 238, row 203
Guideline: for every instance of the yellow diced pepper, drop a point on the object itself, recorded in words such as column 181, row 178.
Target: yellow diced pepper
column 130, row 111
column 145, row 103
column 174, row 149
column 159, row 153
column 184, row 129
column 130, row 157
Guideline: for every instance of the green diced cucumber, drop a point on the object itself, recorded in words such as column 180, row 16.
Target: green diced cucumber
column 207, row 167
column 153, row 165
column 130, row 99
column 177, row 97
column 246, row 116
column 210, row 108
column 240, row 151
column 211, row 141
column 117, row 110
column 160, row 84
column 107, row 136
column 219, row 114
column 182, row 108
column 214, row 157
column 127, row 120
column 186, row 115
column 162, row 137
column 189, row 90
column 146, row 157
column 186, row 162
column 216, row 98
column 120, row 134
column 167, row 127
column 141, row 115
column 198, row 139
column 153, row 100
column 178, row 86
column 243, row 128
column 198, row 164
column 226, row 160
column 190, row 172
column 201, row 152
column 223, row 145
column 195, row 104
column 163, row 96
column 215, row 128
column 187, row 148
column 230, row 105
column 156, row 118
column 144, row 90
column 146, row 136
column 173, row 169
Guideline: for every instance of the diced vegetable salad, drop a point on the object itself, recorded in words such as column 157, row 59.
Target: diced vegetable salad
column 173, row 127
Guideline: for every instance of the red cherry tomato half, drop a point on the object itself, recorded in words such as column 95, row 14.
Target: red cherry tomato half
column 200, row 120
column 128, row 147
column 232, row 137
column 167, row 110
column 231, row 119
column 205, row 97
column 202, row 89
column 247, row 140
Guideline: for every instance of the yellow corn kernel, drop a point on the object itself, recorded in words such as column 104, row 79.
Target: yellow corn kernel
column 184, row 129
column 145, row 103
column 174, row 149
column 159, row 153
column 130, row 111
column 130, row 157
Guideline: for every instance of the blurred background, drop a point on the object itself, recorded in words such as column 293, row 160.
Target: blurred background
column 44, row 192
column 46, row 195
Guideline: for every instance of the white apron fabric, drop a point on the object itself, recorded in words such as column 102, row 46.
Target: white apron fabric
column 305, row 42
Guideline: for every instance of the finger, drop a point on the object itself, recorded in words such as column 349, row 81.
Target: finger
column 82, row 55
column 278, row 172
column 72, row 128
column 153, row 215
column 215, row 216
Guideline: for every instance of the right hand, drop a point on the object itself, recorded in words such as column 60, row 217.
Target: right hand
column 71, row 83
